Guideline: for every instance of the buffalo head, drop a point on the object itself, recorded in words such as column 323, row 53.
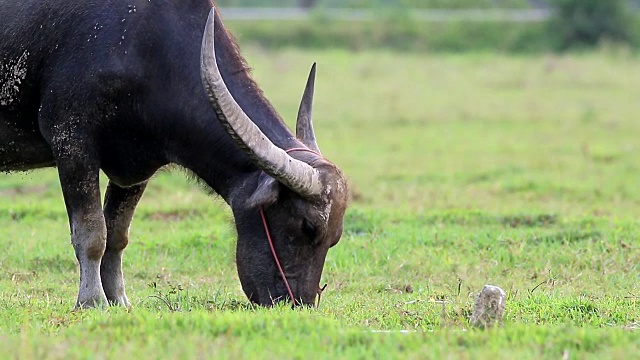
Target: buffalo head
column 301, row 195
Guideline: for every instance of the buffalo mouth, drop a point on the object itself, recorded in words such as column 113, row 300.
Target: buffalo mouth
column 270, row 300
column 276, row 296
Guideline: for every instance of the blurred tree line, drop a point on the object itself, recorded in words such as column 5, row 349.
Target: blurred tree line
column 573, row 24
column 416, row 4
column 586, row 23
column 372, row 4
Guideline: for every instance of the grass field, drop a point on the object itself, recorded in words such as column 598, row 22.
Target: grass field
column 466, row 170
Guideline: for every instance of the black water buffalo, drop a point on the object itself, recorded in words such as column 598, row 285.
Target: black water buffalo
column 117, row 86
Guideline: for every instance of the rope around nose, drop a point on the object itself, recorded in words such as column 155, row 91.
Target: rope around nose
column 273, row 250
column 275, row 256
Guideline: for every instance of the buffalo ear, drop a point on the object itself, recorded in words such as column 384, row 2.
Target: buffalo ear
column 266, row 193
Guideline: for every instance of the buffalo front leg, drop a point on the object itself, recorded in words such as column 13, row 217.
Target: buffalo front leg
column 81, row 191
column 119, row 206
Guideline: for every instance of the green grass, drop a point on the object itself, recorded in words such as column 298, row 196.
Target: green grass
column 398, row 31
column 466, row 170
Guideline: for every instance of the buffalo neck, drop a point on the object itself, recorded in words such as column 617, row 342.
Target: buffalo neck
column 199, row 142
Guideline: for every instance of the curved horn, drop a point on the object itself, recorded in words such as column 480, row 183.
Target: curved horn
column 304, row 124
column 294, row 174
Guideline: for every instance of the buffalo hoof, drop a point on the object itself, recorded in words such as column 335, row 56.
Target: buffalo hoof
column 90, row 302
column 120, row 301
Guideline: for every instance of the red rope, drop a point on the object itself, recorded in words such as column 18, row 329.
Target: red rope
column 303, row 149
column 273, row 250
column 275, row 256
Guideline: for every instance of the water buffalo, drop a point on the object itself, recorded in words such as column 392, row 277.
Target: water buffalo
column 117, row 86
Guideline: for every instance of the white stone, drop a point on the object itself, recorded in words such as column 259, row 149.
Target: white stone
column 489, row 307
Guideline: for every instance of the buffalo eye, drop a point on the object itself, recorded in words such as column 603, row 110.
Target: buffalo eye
column 309, row 229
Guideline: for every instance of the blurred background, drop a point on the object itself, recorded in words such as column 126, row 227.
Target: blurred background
column 429, row 105
column 437, row 25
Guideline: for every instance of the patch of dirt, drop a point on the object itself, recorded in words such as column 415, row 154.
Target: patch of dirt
column 399, row 289
column 175, row 215
column 542, row 220
column 21, row 190
column 22, row 277
column 632, row 326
